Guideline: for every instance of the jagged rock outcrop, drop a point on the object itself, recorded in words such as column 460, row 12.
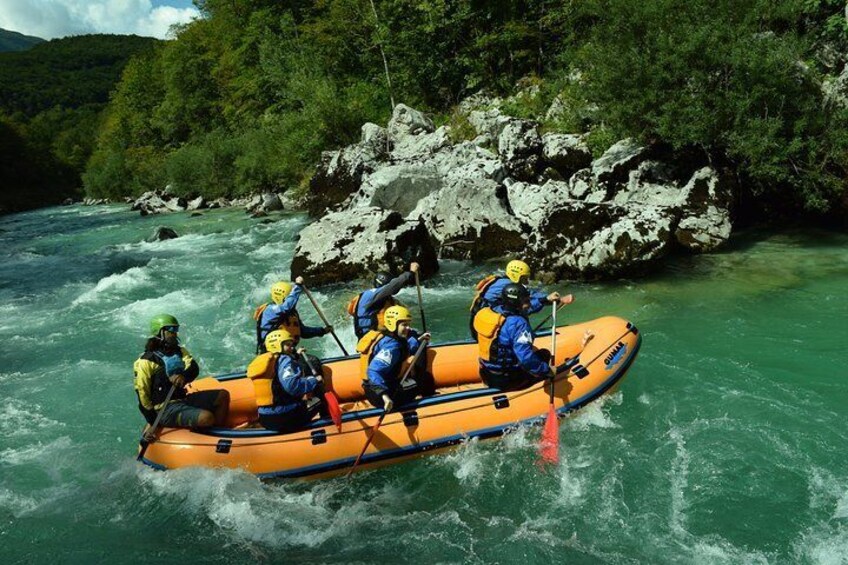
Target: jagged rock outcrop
column 344, row 246
column 539, row 197
column 520, row 147
column 470, row 219
column 158, row 202
column 339, row 173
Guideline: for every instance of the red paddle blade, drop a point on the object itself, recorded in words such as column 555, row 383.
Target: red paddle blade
column 334, row 409
column 549, row 445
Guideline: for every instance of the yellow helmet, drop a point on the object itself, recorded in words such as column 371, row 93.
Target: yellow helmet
column 279, row 291
column 274, row 340
column 394, row 315
column 516, row 269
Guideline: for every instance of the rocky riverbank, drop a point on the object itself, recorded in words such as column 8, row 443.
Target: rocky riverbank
column 411, row 190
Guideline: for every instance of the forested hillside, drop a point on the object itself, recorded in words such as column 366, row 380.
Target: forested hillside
column 51, row 99
column 247, row 97
column 14, row 41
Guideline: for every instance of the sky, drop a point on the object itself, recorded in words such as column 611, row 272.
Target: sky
column 50, row 19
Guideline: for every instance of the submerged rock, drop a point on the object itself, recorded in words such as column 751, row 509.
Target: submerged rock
column 161, row 233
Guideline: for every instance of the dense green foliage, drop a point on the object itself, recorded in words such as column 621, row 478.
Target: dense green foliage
column 246, row 98
column 14, row 41
column 51, row 100
column 741, row 79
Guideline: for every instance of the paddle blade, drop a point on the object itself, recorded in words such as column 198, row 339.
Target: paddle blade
column 549, row 445
column 333, row 408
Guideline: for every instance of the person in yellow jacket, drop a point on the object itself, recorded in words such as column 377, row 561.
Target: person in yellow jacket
column 164, row 364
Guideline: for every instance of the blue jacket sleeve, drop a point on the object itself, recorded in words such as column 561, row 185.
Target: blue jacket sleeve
column 310, row 331
column 521, row 337
column 493, row 293
column 292, row 379
column 377, row 298
column 386, row 357
column 538, row 300
column 290, row 303
column 413, row 342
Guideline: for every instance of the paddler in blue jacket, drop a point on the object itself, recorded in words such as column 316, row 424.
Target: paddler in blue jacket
column 490, row 290
column 281, row 313
column 508, row 360
column 385, row 356
column 281, row 385
column 369, row 307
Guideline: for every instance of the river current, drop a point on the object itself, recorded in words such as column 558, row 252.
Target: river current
column 726, row 443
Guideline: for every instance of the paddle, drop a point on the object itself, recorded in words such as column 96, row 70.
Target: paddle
column 329, row 397
column 323, row 318
column 143, row 443
column 383, row 415
column 548, row 317
column 420, row 303
column 549, row 446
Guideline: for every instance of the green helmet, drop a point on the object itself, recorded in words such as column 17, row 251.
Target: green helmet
column 160, row 321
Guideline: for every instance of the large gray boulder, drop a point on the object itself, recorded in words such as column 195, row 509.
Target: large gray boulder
column 420, row 146
column 408, row 121
column 520, row 147
column 339, row 174
column 533, row 203
column 591, row 241
column 466, row 160
column 567, row 153
column 615, row 164
column 705, row 224
column 158, row 202
column 470, row 219
column 400, row 187
column 489, row 122
column 346, row 245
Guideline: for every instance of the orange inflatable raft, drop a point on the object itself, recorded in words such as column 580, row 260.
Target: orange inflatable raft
column 464, row 408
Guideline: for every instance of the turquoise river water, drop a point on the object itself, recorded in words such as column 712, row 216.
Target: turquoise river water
column 727, row 442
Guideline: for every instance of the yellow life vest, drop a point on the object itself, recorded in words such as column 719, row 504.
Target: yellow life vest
column 261, row 372
column 481, row 288
column 487, row 324
column 366, row 346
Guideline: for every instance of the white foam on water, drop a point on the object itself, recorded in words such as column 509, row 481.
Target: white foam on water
column 178, row 302
column 572, row 480
column 540, row 530
column 117, row 283
column 679, row 476
column 841, row 512
column 595, row 415
column 823, row 545
column 17, row 504
column 467, row 462
column 243, row 507
column 273, row 250
column 11, row 376
column 714, row 550
column 38, row 452
column 19, row 418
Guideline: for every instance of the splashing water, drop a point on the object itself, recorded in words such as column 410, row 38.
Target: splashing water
column 725, row 444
